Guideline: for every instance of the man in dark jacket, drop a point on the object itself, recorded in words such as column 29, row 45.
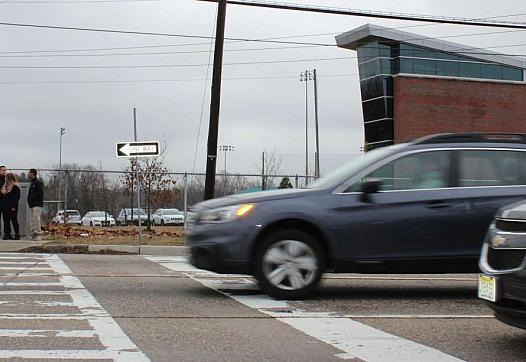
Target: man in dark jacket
column 3, row 171
column 35, row 200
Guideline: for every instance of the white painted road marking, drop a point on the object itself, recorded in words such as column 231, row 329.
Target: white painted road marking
column 116, row 344
column 355, row 339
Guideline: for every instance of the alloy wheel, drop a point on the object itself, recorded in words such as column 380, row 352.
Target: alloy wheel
column 290, row 265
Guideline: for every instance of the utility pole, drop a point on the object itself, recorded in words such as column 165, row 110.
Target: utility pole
column 315, row 75
column 305, row 77
column 215, row 103
column 137, row 176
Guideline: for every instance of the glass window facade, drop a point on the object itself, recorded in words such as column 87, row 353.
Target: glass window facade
column 418, row 60
column 379, row 132
column 378, row 108
column 376, row 87
column 378, row 61
column 376, row 65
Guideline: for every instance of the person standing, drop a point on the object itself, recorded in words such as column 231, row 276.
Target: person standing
column 3, row 171
column 10, row 197
column 35, row 200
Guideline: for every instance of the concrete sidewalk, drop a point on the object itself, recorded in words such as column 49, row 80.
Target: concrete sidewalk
column 46, row 246
column 17, row 245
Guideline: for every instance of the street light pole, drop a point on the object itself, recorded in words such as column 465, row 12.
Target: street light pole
column 315, row 76
column 62, row 132
column 137, row 177
column 305, row 77
column 225, row 149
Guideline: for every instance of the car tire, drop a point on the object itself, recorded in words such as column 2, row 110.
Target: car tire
column 91, row 223
column 289, row 264
column 162, row 222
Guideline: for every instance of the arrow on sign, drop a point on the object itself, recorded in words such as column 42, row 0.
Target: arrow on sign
column 138, row 149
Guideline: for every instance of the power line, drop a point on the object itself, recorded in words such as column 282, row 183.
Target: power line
column 203, row 100
column 459, row 51
column 501, row 16
column 375, row 14
column 158, row 46
column 273, row 40
column 164, row 80
column 162, row 65
column 72, row 2
column 134, row 32
column 279, row 61
column 153, row 53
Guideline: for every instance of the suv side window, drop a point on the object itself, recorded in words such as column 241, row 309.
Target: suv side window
column 491, row 168
column 425, row 170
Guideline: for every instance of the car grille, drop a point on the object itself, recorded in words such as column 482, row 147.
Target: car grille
column 511, row 226
column 505, row 259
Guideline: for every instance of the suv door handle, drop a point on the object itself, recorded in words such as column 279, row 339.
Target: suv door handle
column 437, row 205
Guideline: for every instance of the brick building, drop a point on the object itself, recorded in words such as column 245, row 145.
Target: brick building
column 413, row 86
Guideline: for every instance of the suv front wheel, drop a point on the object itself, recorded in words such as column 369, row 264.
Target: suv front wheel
column 289, row 264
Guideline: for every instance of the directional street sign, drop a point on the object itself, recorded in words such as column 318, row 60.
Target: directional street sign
column 138, row 149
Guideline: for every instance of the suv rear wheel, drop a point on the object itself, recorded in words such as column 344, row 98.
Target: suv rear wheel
column 289, row 264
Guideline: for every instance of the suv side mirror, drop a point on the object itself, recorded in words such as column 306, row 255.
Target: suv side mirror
column 370, row 186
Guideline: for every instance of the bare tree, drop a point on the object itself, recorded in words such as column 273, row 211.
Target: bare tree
column 158, row 185
column 88, row 188
column 271, row 166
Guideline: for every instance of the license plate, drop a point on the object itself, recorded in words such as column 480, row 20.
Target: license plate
column 487, row 288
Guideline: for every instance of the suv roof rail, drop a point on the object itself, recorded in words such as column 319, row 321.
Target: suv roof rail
column 472, row 137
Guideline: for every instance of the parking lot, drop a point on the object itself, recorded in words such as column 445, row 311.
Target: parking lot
column 162, row 309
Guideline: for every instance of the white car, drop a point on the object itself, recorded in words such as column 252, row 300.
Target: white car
column 98, row 218
column 125, row 217
column 72, row 217
column 168, row 217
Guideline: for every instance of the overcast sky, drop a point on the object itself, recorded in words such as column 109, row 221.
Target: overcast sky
column 257, row 114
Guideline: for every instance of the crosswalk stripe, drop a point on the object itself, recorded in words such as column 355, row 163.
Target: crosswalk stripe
column 87, row 311
column 355, row 339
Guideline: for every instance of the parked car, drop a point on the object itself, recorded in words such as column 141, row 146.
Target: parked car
column 98, row 218
column 168, row 217
column 72, row 217
column 503, row 264
column 419, row 207
column 125, row 217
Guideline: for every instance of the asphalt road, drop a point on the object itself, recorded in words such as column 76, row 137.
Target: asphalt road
column 135, row 308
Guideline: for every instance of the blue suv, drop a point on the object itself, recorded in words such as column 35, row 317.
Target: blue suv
column 419, row 207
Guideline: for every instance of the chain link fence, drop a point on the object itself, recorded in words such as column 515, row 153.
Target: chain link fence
column 90, row 189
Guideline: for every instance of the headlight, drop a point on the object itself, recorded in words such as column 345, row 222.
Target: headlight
column 225, row 214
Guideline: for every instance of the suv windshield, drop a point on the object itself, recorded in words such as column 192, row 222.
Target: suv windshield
column 98, row 214
column 135, row 211
column 349, row 169
column 171, row 212
column 72, row 213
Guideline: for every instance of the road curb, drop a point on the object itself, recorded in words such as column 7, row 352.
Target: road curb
column 128, row 249
column 163, row 250
column 98, row 249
